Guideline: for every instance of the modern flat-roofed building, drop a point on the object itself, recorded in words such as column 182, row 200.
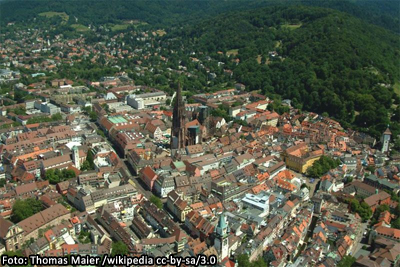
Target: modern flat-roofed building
column 259, row 202
column 146, row 100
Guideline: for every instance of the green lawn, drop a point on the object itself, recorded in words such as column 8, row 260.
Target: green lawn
column 80, row 27
column 259, row 57
column 51, row 14
column 139, row 23
column 161, row 32
column 119, row 27
column 233, row 52
column 396, row 88
column 291, row 26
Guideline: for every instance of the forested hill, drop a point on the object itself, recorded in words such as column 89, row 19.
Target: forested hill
column 327, row 61
column 384, row 13
column 154, row 12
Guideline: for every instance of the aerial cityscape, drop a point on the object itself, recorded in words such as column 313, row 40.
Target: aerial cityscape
column 200, row 133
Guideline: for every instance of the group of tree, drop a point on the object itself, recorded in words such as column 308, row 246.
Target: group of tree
column 395, row 223
column 119, row 248
column 346, row 261
column 9, row 125
column 21, row 96
column 222, row 111
column 322, row 166
column 243, row 260
column 378, row 212
column 55, row 176
column 23, row 209
column 91, row 113
column 88, row 164
column 363, row 210
column 39, row 119
column 156, row 201
column 277, row 106
column 17, row 111
column 84, row 237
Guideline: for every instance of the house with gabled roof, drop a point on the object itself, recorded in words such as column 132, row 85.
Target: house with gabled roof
column 377, row 199
column 11, row 235
column 148, row 176
column 177, row 205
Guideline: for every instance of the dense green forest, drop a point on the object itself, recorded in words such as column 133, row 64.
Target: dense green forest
column 328, row 61
column 155, row 12
column 384, row 13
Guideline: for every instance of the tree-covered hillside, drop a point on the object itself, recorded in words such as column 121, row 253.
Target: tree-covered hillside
column 384, row 13
column 155, row 12
column 327, row 61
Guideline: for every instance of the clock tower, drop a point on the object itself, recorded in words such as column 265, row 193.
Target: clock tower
column 221, row 241
column 385, row 140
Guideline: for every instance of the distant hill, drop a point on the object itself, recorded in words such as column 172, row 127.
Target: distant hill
column 384, row 13
column 156, row 12
column 327, row 61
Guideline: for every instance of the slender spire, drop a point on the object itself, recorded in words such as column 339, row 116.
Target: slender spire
column 222, row 226
column 178, row 131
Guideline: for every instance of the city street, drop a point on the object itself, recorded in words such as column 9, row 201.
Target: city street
column 361, row 240
column 140, row 187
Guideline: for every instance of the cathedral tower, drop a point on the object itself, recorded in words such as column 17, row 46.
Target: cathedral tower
column 178, row 131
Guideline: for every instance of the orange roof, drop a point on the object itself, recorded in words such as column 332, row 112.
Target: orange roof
column 335, row 224
column 75, row 220
column 197, row 205
column 192, row 123
column 391, row 232
column 148, row 172
column 385, row 217
column 290, row 203
column 168, row 113
column 214, row 173
column 285, row 185
column 285, row 174
column 259, row 188
column 263, row 176
column 32, row 125
column 34, row 154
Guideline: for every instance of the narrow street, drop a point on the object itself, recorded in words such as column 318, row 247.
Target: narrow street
column 360, row 240
column 140, row 187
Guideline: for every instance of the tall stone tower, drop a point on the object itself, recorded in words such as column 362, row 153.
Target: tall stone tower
column 385, row 140
column 75, row 155
column 178, row 131
column 221, row 242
